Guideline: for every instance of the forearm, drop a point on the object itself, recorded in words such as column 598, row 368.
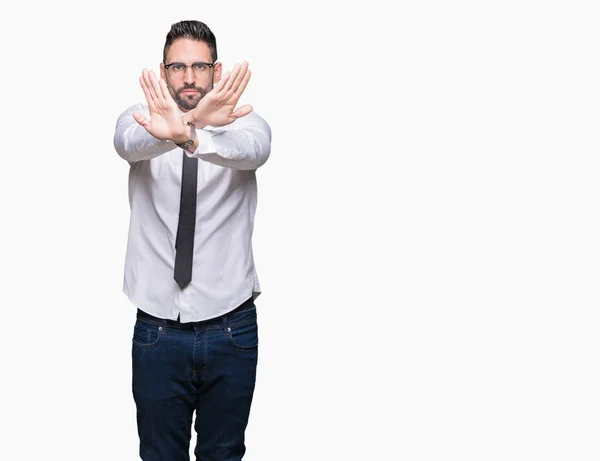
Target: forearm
column 133, row 143
column 246, row 146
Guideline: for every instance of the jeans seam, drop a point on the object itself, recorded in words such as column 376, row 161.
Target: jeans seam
column 137, row 344
column 236, row 345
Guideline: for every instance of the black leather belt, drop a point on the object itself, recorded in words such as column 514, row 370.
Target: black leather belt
column 248, row 304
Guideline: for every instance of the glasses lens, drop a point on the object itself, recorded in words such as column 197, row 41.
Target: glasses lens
column 199, row 67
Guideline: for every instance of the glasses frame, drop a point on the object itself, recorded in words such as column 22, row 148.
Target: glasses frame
column 191, row 66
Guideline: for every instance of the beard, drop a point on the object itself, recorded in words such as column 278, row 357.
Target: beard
column 188, row 101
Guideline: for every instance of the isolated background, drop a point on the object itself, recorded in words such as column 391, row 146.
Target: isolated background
column 426, row 236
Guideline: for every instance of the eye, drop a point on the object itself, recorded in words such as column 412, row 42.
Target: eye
column 178, row 67
column 199, row 66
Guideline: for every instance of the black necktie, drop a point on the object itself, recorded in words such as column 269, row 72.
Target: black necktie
column 184, row 242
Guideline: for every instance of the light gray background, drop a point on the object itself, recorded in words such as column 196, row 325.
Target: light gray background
column 426, row 236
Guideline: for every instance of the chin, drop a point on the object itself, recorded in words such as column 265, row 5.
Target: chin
column 188, row 104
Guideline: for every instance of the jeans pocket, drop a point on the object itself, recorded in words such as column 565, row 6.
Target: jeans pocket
column 146, row 334
column 244, row 335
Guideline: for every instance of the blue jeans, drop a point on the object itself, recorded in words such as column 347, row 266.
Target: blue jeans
column 208, row 367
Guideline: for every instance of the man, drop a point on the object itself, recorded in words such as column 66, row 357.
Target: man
column 189, row 266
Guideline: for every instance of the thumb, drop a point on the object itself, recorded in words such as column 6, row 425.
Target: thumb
column 241, row 111
column 141, row 119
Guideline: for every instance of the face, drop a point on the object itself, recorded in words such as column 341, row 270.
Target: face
column 189, row 85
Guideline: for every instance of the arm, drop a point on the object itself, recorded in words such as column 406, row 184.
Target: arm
column 133, row 143
column 141, row 133
column 241, row 139
column 244, row 145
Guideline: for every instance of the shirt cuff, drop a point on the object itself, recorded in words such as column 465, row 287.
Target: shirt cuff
column 205, row 143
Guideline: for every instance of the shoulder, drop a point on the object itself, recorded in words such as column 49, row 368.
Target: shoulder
column 252, row 120
column 253, row 117
column 143, row 108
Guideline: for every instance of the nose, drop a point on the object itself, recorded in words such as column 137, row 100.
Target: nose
column 188, row 76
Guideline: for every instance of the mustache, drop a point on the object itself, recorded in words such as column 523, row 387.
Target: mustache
column 186, row 86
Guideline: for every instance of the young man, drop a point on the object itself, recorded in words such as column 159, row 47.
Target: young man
column 189, row 266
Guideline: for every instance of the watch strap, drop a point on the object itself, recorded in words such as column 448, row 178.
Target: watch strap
column 190, row 142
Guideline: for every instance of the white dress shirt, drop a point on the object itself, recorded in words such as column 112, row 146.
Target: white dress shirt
column 223, row 272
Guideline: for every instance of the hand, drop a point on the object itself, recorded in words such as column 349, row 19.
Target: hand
column 217, row 108
column 165, row 118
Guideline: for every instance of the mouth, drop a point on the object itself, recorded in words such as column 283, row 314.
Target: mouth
column 190, row 92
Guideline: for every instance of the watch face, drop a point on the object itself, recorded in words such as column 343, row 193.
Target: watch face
column 186, row 145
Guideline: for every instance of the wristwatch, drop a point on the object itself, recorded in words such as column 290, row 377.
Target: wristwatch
column 190, row 142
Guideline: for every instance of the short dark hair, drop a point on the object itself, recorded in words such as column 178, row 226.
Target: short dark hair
column 195, row 30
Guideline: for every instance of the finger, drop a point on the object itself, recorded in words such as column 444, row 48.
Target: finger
column 141, row 119
column 165, row 91
column 234, row 74
column 156, row 86
column 221, row 83
column 241, row 111
column 244, row 83
column 147, row 94
column 240, row 76
column 149, row 90
column 150, row 85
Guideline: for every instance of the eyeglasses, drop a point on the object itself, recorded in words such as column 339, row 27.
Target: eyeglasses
column 179, row 68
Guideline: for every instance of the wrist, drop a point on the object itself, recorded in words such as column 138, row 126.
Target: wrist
column 188, row 117
column 183, row 137
column 189, row 143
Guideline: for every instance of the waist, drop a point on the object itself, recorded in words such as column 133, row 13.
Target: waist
column 246, row 305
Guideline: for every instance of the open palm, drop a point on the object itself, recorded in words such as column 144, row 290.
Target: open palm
column 217, row 108
column 165, row 118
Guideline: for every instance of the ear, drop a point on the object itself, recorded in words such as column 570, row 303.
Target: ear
column 218, row 69
column 162, row 71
